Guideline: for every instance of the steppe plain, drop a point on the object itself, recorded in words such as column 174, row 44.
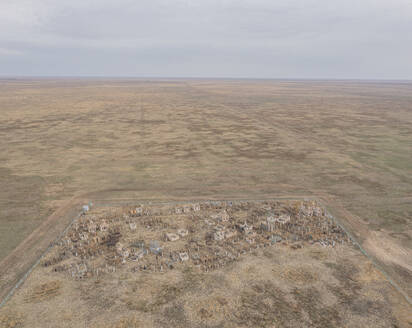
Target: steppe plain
column 348, row 142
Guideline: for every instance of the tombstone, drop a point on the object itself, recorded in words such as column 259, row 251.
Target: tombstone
column 138, row 244
column 119, row 248
column 141, row 253
column 264, row 226
column 245, row 228
column 92, row 227
column 230, row 234
column 132, row 226
column 250, row 240
column 182, row 232
column 104, row 226
column 125, row 253
column 83, row 236
column 155, row 247
column 219, row 227
column 170, row 236
column 208, row 222
column 219, row 235
column 318, row 211
column 85, row 208
column 306, row 211
column 283, row 218
column 275, row 239
column 183, row 256
column 139, row 211
column 224, row 217
column 270, row 223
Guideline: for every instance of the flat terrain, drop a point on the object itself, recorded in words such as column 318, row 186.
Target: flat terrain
column 206, row 264
column 348, row 141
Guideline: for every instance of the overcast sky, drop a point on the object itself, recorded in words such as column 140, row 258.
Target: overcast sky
column 369, row 39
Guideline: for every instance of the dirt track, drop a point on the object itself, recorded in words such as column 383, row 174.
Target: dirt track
column 14, row 266
column 385, row 251
column 381, row 248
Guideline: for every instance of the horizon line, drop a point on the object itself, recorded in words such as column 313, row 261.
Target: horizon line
column 135, row 77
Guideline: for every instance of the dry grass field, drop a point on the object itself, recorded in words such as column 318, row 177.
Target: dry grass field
column 105, row 271
column 346, row 141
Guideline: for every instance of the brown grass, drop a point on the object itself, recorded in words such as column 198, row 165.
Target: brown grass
column 271, row 287
column 180, row 139
column 44, row 291
column 299, row 275
column 11, row 320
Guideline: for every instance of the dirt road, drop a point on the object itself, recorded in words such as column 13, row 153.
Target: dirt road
column 14, row 266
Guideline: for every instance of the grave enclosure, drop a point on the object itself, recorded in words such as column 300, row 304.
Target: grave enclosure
column 205, row 235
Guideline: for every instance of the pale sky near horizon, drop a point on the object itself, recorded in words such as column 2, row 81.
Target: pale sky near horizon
column 352, row 39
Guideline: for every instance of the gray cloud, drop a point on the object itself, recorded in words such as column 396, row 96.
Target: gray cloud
column 227, row 38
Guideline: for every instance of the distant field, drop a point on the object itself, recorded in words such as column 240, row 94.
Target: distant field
column 348, row 141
